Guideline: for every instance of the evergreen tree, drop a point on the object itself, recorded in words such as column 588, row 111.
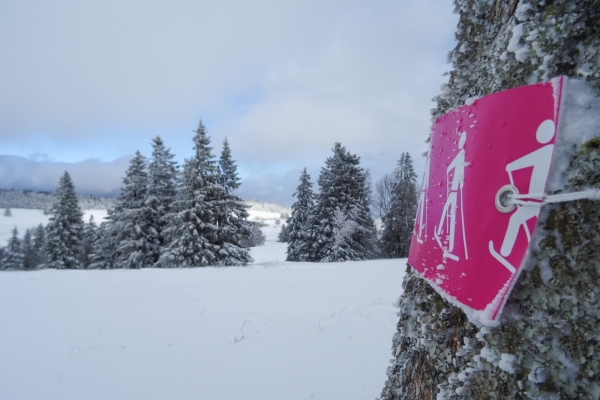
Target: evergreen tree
column 298, row 224
column 229, row 177
column 65, row 228
column 284, row 234
column 341, row 227
column 13, row 255
column 193, row 232
column 2, row 255
column 27, row 249
column 231, row 215
column 104, row 245
column 136, row 238
column 398, row 222
column 39, row 241
column 90, row 231
column 162, row 189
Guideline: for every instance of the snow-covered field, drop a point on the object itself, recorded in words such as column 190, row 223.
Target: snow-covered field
column 272, row 330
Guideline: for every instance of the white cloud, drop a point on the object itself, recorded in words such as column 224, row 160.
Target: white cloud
column 283, row 80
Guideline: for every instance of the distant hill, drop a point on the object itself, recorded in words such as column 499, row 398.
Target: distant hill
column 258, row 205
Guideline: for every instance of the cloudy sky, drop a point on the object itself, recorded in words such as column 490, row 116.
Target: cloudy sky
column 84, row 84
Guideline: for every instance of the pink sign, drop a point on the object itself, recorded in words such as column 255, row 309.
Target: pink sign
column 467, row 242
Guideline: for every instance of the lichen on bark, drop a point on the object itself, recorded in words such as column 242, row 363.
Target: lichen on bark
column 546, row 345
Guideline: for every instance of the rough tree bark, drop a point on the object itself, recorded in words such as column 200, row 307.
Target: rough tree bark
column 546, row 346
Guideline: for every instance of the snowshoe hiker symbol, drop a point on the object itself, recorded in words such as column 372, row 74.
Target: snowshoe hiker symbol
column 539, row 160
column 455, row 178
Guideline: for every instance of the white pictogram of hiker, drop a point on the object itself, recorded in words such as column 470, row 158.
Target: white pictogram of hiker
column 421, row 220
column 448, row 217
column 540, row 160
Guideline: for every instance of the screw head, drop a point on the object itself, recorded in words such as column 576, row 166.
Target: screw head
column 503, row 203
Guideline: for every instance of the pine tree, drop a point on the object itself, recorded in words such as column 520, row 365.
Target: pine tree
column 65, row 228
column 398, row 222
column 104, row 245
column 192, row 232
column 284, row 234
column 136, row 238
column 162, row 189
column 232, row 214
column 90, row 231
column 299, row 222
column 28, row 252
column 39, row 241
column 13, row 255
column 229, row 177
column 341, row 227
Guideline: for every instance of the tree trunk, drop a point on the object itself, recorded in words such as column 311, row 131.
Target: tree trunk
column 547, row 341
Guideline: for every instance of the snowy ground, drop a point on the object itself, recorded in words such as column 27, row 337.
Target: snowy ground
column 272, row 330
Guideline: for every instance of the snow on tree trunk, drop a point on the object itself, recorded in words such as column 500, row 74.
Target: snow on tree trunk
column 546, row 343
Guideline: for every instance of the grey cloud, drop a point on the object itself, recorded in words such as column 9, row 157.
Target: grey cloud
column 89, row 177
column 282, row 80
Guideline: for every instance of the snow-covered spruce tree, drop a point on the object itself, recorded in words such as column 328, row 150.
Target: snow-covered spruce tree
column 162, row 188
column 299, row 222
column 135, row 236
column 90, row 231
column 27, row 249
column 232, row 214
column 398, row 222
column 284, row 234
column 192, row 233
column 341, row 226
column 39, row 241
column 13, row 253
column 104, row 245
column 228, row 177
column 546, row 344
column 65, row 228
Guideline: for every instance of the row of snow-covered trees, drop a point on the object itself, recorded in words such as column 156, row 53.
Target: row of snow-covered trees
column 43, row 200
column 64, row 243
column 25, row 253
column 162, row 218
column 336, row 224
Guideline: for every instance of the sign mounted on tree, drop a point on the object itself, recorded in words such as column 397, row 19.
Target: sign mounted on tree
column 470, row 239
